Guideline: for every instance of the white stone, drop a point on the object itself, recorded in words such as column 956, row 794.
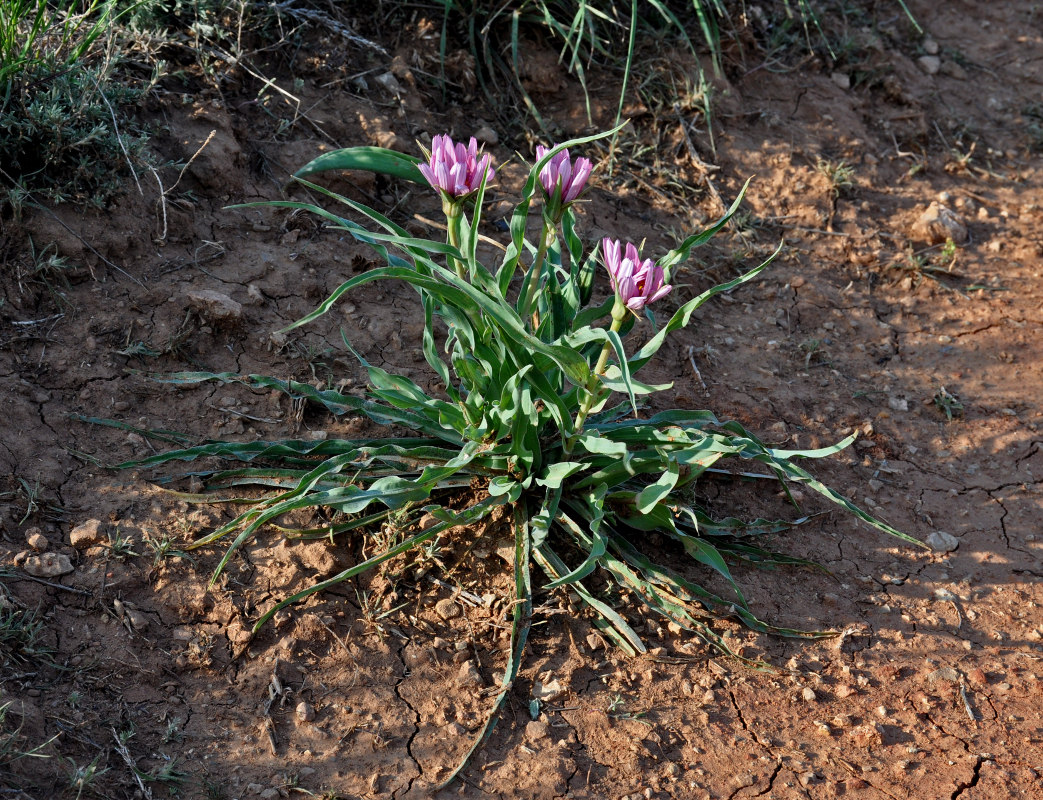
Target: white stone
column 930, row 64
column 943, row 542
column 48, row 565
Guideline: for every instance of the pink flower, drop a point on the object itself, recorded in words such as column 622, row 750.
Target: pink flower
column 561, row 174
column 637, row 283
column 454, row 169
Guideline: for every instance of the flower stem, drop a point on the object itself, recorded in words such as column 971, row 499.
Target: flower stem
column 454, row 217
column 590, row 396
column 546, row 237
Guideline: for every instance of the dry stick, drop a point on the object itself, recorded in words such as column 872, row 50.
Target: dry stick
column 966, row 702
column 162, row 202
column 195, row 155
column 164, row 192
column 116, row 128
column 121, row 748
column 315, row 16
column 695, row 369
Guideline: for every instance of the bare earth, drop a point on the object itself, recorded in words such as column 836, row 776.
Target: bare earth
column 933, row 690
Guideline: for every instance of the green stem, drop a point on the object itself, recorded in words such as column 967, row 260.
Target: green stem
column 590, row 396
column 529, row 294
column 454, row 217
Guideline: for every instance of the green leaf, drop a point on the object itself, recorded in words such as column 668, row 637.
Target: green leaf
column 654, row 493
column 555, row 474
column 369, row 159
column 680, row 253
column 607, row 619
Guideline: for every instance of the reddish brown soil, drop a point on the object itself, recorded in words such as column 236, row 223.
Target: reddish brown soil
column 935, row 688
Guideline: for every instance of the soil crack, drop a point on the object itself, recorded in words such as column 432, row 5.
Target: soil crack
column 397, row 688
column 961, row 787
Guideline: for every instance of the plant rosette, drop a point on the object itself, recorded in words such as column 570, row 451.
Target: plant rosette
column 528, row 372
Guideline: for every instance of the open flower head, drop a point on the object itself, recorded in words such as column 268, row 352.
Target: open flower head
column 636, row 282
column 455, row 170
column 563, row 175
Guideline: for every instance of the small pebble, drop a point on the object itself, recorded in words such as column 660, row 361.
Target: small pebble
column 305, row 712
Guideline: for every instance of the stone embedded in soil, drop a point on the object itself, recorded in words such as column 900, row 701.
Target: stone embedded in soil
column 215, row 306
column 841, row 79
column 487, row 135
column 305, row 712
column 930, row 64
column 138, row 621
column 898, row 403
column 86, row 534
column 943, row 674
column 943, row 542
column 548, row 691
column 938, row 223
column 48, row 565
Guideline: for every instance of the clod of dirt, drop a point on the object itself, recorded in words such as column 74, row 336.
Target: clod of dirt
column 86, row 534
column 536, row 730
column 36, row 540
column 48, row 565
column 447, row 609
column 215, row 306
column 943, row 542
column 468, row 675
column 938, row 224
column 867, row 735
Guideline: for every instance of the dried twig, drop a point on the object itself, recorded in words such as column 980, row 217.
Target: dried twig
column 695, row 368
column 121, row 748
column 318, row 17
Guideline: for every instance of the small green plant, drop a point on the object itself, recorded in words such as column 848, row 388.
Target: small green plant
column 840, row 174
column 121, row 547
column 540, row 415
column 162, row 547
column 43, row 268
column 81, row 778
column 948, row 403
column 173, row 732
column 20, row 634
